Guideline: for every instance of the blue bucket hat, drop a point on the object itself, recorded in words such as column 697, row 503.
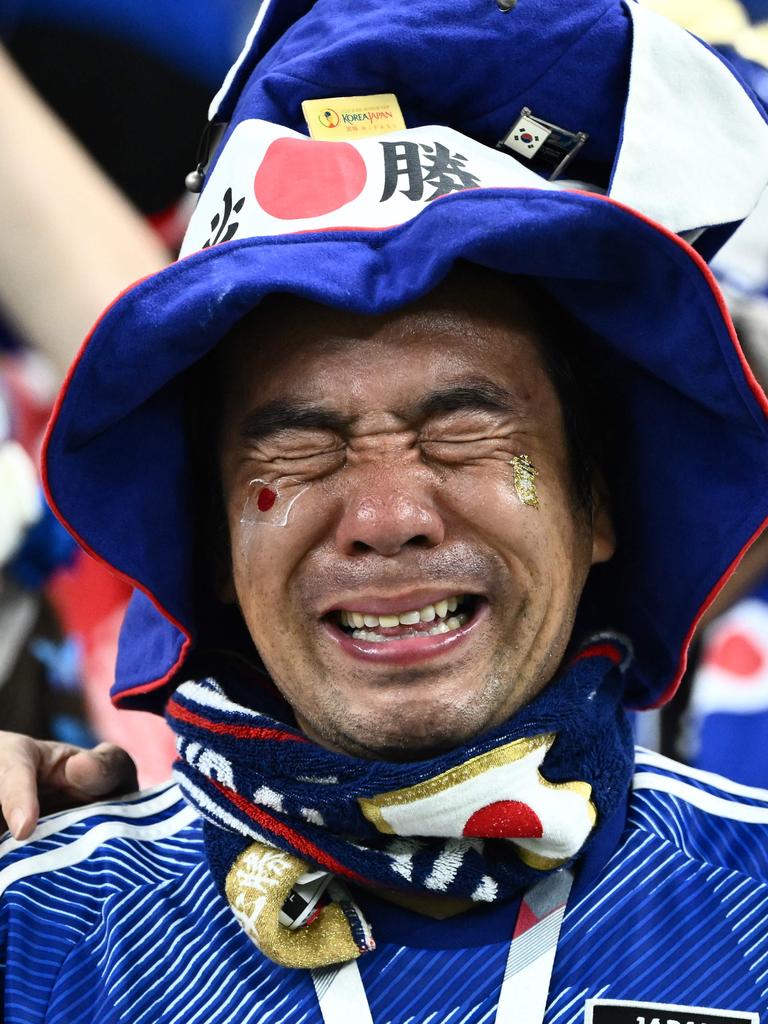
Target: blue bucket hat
column 676, row 157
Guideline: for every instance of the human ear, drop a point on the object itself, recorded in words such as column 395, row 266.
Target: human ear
column 603, row 533
column 219, row 546
column 222, row 578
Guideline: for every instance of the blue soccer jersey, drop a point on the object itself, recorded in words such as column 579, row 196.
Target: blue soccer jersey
column 110, row 914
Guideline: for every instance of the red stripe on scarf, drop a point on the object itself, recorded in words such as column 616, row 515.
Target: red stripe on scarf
column 606, row 650
column 243, row 732
column 304, row 846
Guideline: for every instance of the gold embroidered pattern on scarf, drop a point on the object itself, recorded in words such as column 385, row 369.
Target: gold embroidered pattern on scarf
column 257, row 885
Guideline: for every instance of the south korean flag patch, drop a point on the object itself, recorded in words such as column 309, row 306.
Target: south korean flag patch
column 527, row 137
column 622, row 1011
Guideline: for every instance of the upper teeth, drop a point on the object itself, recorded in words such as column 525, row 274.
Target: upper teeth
column 439, row 610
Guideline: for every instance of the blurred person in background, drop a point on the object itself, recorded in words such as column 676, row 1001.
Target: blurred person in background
column 87, row 90
column 719, row 718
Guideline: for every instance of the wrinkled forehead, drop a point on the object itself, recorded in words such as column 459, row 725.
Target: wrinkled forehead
column 474, row 316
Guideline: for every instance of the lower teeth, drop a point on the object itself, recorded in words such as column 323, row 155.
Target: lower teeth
column 442, row 627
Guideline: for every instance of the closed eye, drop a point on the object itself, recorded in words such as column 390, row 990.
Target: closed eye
column 300, row 463
column 320, row 453
column 462, row 450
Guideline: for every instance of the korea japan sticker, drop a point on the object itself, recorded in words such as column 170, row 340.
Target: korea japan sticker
column 622, row 1011
column 351, row 117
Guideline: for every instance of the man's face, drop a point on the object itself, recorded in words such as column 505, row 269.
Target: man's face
column 394, row 436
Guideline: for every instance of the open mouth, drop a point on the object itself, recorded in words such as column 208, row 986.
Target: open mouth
column 445, row 616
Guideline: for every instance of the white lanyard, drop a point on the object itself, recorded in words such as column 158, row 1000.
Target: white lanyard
column 527, row 974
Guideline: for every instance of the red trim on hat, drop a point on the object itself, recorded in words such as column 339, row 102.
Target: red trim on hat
column 762, row 401
column 156, row 683
column 669, row 693
column 698, row 261
column 709, row 277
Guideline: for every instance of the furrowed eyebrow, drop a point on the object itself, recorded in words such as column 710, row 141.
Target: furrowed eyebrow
column 476, row 393
column 276, row 417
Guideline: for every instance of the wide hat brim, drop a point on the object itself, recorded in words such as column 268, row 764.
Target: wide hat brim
column 688, row 423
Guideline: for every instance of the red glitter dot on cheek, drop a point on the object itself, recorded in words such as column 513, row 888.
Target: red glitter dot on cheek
column 266, row 499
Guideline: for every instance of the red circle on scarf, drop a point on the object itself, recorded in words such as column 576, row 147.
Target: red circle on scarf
column 308, row 178
column 505, row 819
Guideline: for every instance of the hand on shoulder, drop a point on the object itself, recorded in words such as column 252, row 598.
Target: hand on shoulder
column 41, row 776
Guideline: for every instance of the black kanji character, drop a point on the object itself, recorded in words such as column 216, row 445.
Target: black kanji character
column 226, row 228
column 420, row 164
column 402, row 160
column 447, row 172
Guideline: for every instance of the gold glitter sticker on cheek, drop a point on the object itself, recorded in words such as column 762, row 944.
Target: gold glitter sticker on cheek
column 524, row 474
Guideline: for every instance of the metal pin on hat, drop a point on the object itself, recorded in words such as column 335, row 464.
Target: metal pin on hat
column 195, row 179
column 506, row 5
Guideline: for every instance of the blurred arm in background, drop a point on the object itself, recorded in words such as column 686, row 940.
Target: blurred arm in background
column 69, row 240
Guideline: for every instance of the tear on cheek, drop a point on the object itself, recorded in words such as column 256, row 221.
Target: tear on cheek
column 268, row 504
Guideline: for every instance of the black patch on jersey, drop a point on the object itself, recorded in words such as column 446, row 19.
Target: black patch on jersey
column 621, row 1011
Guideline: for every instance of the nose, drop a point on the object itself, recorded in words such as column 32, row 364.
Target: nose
column 386, row 520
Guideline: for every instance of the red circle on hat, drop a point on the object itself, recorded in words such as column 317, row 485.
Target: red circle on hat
column 505, row 819
column 308, row 178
